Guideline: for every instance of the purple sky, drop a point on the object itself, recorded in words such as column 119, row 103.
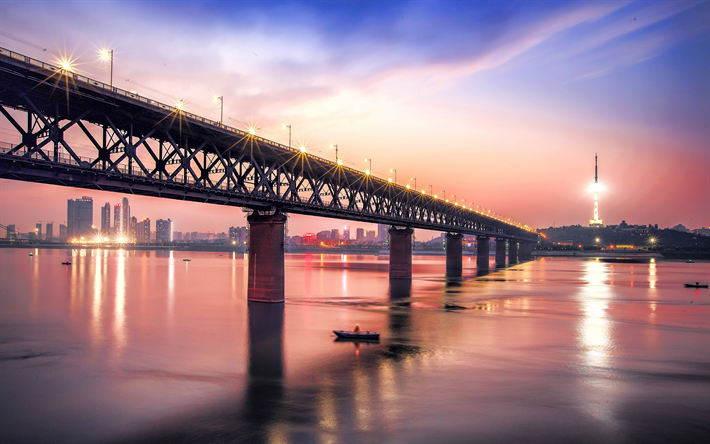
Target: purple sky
column 503, row 104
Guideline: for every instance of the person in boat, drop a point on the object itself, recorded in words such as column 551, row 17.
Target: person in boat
column 357, row 328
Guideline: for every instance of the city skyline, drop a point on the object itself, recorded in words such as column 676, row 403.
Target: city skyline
column 623, row 80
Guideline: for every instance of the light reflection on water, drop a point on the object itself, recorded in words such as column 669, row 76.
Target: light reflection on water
column 581, row 348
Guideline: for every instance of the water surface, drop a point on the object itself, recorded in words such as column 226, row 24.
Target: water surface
column 136, row 346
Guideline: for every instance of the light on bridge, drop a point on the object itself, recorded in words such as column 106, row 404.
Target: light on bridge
column 340, row 162
column 303, row 149
column 252, row 130
column 180, row 105
column 66, row 65
column 367, row 172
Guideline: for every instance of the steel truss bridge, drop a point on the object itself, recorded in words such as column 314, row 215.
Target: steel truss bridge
column 140, row 146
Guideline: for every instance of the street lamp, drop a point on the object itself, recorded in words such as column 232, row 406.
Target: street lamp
column 415, row 181
column 221, row 108
column 369, row 170
column 337, row 161
column 289, row 134
column 431, row 190
column 107, row 54
column 395, row 176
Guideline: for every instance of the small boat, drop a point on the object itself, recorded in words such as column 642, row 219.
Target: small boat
column 66, row 263
column 356, row 335
column 696, row 285
column 32, row 254
column 186, row 260
column 690, row 261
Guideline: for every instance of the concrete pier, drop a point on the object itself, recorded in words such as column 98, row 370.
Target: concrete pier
column 483, row 247
column 454, row 255
column 266, row 258
column 512, row 252
column 401, row 253
column 500, row 252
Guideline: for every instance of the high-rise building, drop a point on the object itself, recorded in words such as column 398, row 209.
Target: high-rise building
column 346, row 233
column 382, row 233
column 11, row 232
column 360, row 234
column 106, row 219
column 596, row 222
column 125, row 217
column 80, row 217
column 63, row 231
column 143, row 230
column 133, row 229
column 38, row 230
column 335, row 234
column 117, row 220
column 163, row 230
column 50, row 231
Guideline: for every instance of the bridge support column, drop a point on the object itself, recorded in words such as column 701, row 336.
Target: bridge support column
column 522, row 251
column 512, row 252
column 454, row 255
column 401, row 253
column 483, row 248
column 266, row 257
column 500, row 252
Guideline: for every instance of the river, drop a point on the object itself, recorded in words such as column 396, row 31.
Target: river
column 141, row 346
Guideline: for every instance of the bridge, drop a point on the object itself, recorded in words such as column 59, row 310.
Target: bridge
column 141, row 146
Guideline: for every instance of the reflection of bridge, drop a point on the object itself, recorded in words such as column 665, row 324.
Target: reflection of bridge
column 141, row 146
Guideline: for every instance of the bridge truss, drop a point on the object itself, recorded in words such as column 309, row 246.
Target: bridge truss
column 139, row 146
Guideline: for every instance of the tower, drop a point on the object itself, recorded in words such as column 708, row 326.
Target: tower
column 596, row 222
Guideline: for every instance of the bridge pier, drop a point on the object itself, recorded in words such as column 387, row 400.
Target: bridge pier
column 512, row 252
column 400, row 253
column 266, row 257
column 500, row 252
column 483, row 249
column 454, row 255
column 525, row 251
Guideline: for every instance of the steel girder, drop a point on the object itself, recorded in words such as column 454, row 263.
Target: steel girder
column 77, row 132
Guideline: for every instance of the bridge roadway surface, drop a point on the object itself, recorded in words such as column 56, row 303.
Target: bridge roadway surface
column 141, row 146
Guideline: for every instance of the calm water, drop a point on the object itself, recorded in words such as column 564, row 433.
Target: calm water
column 144, row 347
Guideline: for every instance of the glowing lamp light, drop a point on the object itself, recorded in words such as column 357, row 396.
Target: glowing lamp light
column 303, row 149
column 389, row 180
column 423, row 191
column 407, row 186
column 252, row 131
column 180, row 106
column 436, row 196
column 65, row 65
column 367, row 172
column 340, row 162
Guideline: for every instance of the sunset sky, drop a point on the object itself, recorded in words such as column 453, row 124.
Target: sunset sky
column 503, row 104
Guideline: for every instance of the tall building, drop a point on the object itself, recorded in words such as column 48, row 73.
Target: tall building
column 360, row 234
column 80, row 217
column 11, row 232
column 133, row 229
column 38, row 230
column 143, row 230
column 117, row 220
column 63, row 230
column 106, row 219
column 163, row 230
column 346, row 233
column 335, row 234
column 382, row 233
column 125, row 216
column 596, row 222
column 50, row 231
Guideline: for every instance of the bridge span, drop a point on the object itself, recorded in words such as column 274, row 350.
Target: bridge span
column 141, row 146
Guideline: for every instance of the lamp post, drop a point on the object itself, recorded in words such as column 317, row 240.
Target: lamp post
column 337, row 161
column 395, row 176
column 415, row 182
column 369, row 170
column 221, row 108
column 431, row 190
column 289, row 134
column 108, row 54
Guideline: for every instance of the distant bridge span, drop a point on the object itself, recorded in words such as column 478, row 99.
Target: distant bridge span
column 141, row 146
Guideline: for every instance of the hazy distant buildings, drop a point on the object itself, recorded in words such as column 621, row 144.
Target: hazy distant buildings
column 50, row 231
column 133, row 228
column 382, row 233
column 238, row 234
column 106, row 219
column 125, row 217
column 346, row 233
column 360, row 234
column 117, row 220
column 335, row 234
column 11, row 232
column 163, row 230
column 80, row 217
column 63, row 231
column 38, row 230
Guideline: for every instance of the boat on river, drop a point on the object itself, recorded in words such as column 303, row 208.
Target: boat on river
column 696, row 285
column 186, row 260
column 66, row 263
column 356, row 334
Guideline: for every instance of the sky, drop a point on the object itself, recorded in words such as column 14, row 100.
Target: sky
column 503, row 104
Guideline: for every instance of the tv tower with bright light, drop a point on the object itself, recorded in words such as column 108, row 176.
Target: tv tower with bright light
column 596, row 222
